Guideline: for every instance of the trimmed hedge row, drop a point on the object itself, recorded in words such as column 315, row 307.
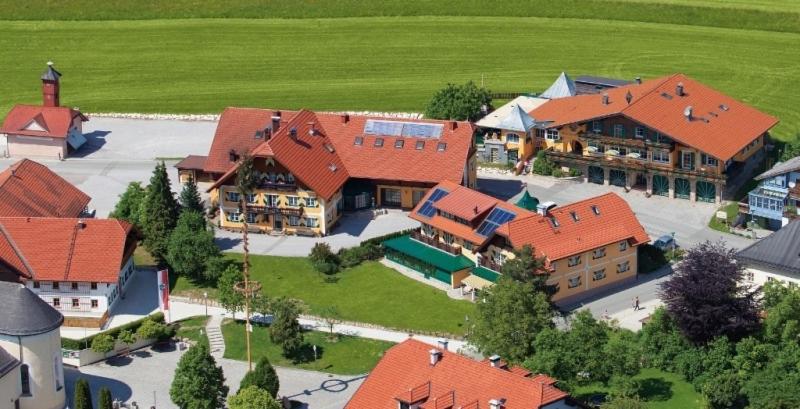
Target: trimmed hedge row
column 78, row 344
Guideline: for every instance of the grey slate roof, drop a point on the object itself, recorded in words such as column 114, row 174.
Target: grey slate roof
column 24, row 313
column 517, row 120
column 562, row 87
column 780, row 168
column 7, row 362
column 780, row 250
column 51, row 74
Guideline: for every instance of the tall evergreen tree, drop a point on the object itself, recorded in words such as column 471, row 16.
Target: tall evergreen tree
column 190, row 197
column 159, row 213
column 82, row 395
column 707, row 298
column 130, row 203
column 105, row 400
column 191, row 245
column 264, row 377
column 198, row 382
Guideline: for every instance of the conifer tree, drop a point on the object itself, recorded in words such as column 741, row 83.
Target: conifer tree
column 264, row 377
column 190, row 197
column 83, row 396
column 159, row 213
column 104, row 400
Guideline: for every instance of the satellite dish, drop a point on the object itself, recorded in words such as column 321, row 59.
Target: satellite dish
column 792, row 185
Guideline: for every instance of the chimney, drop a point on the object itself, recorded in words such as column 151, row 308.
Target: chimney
column 276, row 121
column 345, row 118
column 435, row 356
column 629, row 97
column 443, row 344
column 605, row 99
column 293, row 133
column 453, row 125
column 494, row 361
column 497, row 403
column 267, row 133
column 638, row 80
column 50, row 86
column 679, row 89
column 232, row 156
column 688, row 113
column 544, row 208
column 311, row 129
column 81, row 224
column 475, row 209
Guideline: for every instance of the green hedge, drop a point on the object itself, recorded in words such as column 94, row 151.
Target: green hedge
column 78, row 344
column 380, row 239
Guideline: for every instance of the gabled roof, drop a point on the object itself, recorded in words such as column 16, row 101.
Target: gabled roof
column 496, row 117
column 68, row 249
column 781, row 168
column 55, row 121
column 562, row 87
column 192, row 162
column 24, row 313
column 613, row 222
column 30, row 189
column 720, row 125
column 779, row 250
column 405, row 373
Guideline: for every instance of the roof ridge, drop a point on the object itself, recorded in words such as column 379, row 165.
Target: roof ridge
column 16, row 249
column 71, row 248
column 662, row 81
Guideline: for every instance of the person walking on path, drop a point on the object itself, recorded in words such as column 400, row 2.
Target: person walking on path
column 636, row 304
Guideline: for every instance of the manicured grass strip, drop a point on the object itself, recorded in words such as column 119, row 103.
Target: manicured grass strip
column 190, row 328
column 661, row 390
column 380, row 63
column 732, row 210
column 346, row 356
column 774, row 15
column 142, row 258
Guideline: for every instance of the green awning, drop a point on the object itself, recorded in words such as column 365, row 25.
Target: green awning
column 485, row 274
column 429, row 255
column 528, row 202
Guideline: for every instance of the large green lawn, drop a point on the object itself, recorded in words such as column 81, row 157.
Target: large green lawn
column 346, row 355
column 661, row 390
column 377, row 63
column 369, row 293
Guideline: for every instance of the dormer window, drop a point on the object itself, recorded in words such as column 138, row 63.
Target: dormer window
column 441, row 147
column 596, row 210
column 574, row 216
column 420, row 145
column 378, row 142
column 358, row 141
column 398, row 143
column 232, row 156
column 553, row 221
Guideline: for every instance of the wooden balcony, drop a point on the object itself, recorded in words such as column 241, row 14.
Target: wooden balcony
column 627, row 163
column 490, row 264
column 286, row 186
column 435, row 242
column 286, row 211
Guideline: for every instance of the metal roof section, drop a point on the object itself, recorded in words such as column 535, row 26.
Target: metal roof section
column 517, row 120
column 780, row 250
column 24, row 313
column 50, row 74
column 780, row 168
column 562, row 87
column 524, row 102
column 604, row 81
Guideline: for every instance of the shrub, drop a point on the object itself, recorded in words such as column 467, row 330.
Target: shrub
column 650, row 258
column 352, row 257
column 557, row 172
column 263, row 377
column 103, row 343
column 573, row 172
column 83, row 396
column 542, row 165
column 152, row 330
column 104, row 400
column 323, row 259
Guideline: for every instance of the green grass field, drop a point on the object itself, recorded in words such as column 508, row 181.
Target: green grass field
column 661, row 390
column 369, row 293
column 391, row 63
column 346, row 355
column 191, row 328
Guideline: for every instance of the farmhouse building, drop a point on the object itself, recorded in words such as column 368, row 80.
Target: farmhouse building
column 467, row 236
column 773, row 203
column 670, row 136
column 30, row 189
column 313, row 166
column 413, row 374
column 47, row 131
column 79, row 267
column 775, row 257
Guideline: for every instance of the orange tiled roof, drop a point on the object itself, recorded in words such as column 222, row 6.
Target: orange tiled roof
column 237, row 127
column 95, row 251
column 28, row 188
column 720, row 132
column 55, row 121
column 454, row 379
column 614, row 223
column 192, row 162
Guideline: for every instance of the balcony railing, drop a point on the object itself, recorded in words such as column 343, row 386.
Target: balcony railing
column 631, row 163
column 435, row 242
column 277, row 186
column 490, row 264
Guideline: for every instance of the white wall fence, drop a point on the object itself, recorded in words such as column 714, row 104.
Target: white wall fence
column 88, row 357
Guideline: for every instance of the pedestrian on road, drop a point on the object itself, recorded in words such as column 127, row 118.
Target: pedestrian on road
column 636, row 304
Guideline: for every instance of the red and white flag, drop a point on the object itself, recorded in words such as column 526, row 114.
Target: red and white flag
column 163, row 293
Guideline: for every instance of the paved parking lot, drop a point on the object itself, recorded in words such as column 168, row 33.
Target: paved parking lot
column 659, row 215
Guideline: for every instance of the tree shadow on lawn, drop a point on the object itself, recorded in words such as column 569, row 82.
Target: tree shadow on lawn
column 306, row 354
column 655, row 389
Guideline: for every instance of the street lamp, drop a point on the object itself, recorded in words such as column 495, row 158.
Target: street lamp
column 205, row 301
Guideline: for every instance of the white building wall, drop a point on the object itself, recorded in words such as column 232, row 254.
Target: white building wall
column 42, row 355
column 36, row 147
column 760, row 276
column 10, row 389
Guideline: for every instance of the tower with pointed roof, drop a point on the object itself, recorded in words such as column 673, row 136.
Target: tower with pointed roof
column 50, row 86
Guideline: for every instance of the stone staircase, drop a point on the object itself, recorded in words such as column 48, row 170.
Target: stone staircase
column 215, row 341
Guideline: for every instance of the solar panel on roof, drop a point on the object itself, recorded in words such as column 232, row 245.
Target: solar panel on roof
column 427, row 208
column 495, row 218
column 398, row 128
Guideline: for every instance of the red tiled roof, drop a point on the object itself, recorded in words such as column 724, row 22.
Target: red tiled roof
column 454, row 377
column 10, row 255
column 94, row 252
column 55, row 121
column 236, row 131
column 466, row 203
column 30, row 189
column 237, row 127
column 306, row 156
column 192, row 162
column 616, row 222
column 713, row 130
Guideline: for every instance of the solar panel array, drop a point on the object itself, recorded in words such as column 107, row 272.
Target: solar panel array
column 407, row 129
column 495, row 218
column 427, row 208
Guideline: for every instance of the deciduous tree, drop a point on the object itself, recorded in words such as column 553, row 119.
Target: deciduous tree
column 151, row 329
column 459, row 102
column 252, row 397
column 263, row 377
column 525, row 267
column 159, row 213
column 707, row 298
column 130, row 203
column 285, row 330
column 102, row 343
column 198, row 382
column 509, row 316
column 229, row 298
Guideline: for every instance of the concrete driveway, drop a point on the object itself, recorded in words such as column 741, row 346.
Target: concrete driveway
column 145, row 377
column 659, row 215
